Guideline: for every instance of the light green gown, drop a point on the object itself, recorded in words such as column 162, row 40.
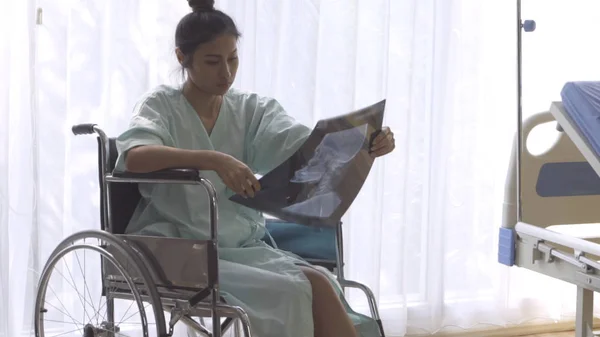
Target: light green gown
column 266, row 282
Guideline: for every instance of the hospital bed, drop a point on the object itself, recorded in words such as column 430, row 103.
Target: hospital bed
column 157, row 274
column 552, row 200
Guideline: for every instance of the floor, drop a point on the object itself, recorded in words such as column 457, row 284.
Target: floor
column 558, row 334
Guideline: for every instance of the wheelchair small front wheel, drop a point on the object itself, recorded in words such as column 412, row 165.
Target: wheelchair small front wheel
column 87, row 291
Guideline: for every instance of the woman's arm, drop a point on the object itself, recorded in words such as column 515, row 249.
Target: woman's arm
column 235, row 174
column 150, row 158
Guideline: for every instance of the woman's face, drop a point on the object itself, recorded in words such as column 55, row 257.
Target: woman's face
column 214, row 65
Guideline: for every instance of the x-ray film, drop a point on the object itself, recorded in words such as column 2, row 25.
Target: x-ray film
column 319, row 182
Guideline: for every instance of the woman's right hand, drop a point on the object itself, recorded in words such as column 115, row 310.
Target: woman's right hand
column 237, row 175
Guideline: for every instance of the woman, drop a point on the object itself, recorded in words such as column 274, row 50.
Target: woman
column 230, row 135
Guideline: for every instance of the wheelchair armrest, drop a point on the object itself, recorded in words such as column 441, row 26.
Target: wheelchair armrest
column 179, row 175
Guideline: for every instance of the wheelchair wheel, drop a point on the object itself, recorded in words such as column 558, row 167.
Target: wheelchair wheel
column 94, row 285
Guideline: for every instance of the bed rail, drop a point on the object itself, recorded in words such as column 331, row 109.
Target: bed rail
column 545, row 235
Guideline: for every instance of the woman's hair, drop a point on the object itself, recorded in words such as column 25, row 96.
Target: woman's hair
column 202, row 25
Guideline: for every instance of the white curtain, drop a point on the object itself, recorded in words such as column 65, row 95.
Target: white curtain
column 20, row 176
column 422, row 233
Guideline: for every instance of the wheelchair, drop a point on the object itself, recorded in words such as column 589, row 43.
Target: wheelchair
column 172, row 275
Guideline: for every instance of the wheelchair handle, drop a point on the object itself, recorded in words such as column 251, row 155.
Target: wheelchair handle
column 83, row 129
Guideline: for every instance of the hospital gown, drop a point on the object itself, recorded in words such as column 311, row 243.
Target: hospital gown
column 264, row 281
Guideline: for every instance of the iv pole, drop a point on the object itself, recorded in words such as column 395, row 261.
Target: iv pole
column 527, row 26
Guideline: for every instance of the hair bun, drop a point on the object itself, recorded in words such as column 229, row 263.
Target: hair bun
column 202, row 5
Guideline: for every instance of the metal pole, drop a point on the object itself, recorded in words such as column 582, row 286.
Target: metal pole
column 519, row 110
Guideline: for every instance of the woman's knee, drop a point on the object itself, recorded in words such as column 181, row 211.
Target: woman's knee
column 329, row 316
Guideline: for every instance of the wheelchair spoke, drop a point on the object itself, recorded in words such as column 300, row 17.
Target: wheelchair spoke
column 100, row 307
column 62, row 312
column 121, row 320
column 55, row 321
column 82, row 300
column 61, row 304
column 84, row 283
column 64, row 333
column 145, row 307
column 97, row 313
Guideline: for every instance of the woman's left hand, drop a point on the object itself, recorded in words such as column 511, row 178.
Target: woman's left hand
column 383, row 144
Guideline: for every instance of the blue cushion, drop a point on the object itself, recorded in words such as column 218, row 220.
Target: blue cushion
column 304, row 241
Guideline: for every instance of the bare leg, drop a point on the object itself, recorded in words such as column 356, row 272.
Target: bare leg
column 330, row 317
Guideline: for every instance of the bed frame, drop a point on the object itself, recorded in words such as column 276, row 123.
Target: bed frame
column 560, row 194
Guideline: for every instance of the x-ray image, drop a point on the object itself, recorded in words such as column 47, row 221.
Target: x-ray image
column 319, row 182
column 326, row 170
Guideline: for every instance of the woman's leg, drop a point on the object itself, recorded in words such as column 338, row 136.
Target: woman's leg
column 329, row 315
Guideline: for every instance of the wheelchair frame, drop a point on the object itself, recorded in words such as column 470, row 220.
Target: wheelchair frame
column 184, row 303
